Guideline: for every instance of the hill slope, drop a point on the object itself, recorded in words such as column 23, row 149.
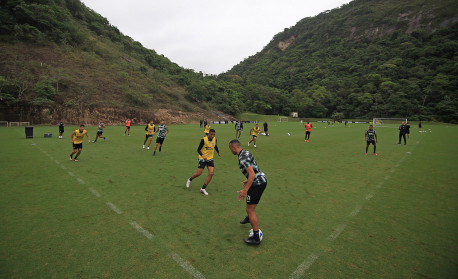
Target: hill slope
column 59, row 59
column 377, row 58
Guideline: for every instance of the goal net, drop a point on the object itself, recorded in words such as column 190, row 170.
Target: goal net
column 3, row 123
column 17, row 124
column 388, row 122
column 283, row 119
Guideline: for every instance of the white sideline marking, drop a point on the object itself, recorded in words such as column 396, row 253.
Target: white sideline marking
column 408, row 152
column 188, row 267
column 335, row 234
column 355, row 211
column 114, row 208
column 387, row 177
column 146, row 233
column 370, row 196
column 71, row 173
column 63, row 167
column 93, row 191
column 379, row 185
column 51, row 157
column 392, row 170
column 81, row 181
column 57, row 162
column 302, row 268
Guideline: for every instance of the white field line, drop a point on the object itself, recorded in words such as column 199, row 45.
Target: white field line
column 139, row 228
column 304, row 266
column 93, row 191
column 71, row 173
column 80, row 181
column 186, row 266
column 335, row 234
column 114, row 208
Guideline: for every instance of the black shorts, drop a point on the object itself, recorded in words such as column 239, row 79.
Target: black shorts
column 371, row 141
column 61, row 129
column 148, row 136
column 160, row 140
column 128, row 127
column 203, row 163
column 99, row 133
column 78, row 146
column 254, row 193
column 307, row 132
column 254, row 137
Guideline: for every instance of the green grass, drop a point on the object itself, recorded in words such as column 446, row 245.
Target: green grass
column 397, row 211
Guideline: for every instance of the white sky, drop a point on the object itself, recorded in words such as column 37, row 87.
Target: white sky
column 210, row 36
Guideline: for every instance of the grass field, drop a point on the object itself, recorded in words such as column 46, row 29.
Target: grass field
column 328, row 211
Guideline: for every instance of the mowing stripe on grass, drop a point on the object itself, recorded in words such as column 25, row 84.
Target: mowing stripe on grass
column 302, row 268
column 114, row 208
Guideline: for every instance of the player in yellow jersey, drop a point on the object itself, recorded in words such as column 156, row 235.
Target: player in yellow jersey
column 206, row 150
column 207, row 129
column 254, row 132
column 77, row 141
column 150, row 130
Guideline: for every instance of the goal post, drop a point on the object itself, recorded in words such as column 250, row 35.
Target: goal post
column 283, row 119
column 3, row 123
column 388, row 122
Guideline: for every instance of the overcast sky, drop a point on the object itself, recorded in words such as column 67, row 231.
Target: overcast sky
column 210, row 36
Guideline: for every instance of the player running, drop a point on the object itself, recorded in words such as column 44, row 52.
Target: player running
column 150, row 130
column 254, row 132
column 207, row 128
column 162, row 131
column 253, row 187
column 77, row 141
column 402, row 132
column 128, row 124
column 266, row 127
column 238, row 129
column 308, row 130
column 101, row 125
column 61, row 128
column 371, row 137
column 206, row 150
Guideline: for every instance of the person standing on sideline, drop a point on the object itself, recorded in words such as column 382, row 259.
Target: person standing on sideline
column 61, row 128
column 308, row 130
column 402, row 132
column 207, row 128
column 162, row 131
column 419, row 125
column 201, row 122
column 408, row 130
column 77, row 141
column 253, row 187
column 150, row 130
column 266, row 127
column 128, row 124
column 206, row 150
column 238, row 129
column 101, row 125
column 254, row 132
column 371, row 137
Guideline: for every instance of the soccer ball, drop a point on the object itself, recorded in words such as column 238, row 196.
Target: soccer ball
column 251, row 233
column 289, row 134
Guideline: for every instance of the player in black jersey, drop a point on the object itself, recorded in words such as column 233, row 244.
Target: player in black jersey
column 253, row 187
column 61, row 128
column 403, row 132
column 371, row 137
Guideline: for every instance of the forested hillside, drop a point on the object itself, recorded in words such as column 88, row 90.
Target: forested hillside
column 59, row 59
column 369, row 58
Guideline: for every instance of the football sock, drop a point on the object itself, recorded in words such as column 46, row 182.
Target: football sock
column 190, row 179
column 160, row 148
column 204, row 186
